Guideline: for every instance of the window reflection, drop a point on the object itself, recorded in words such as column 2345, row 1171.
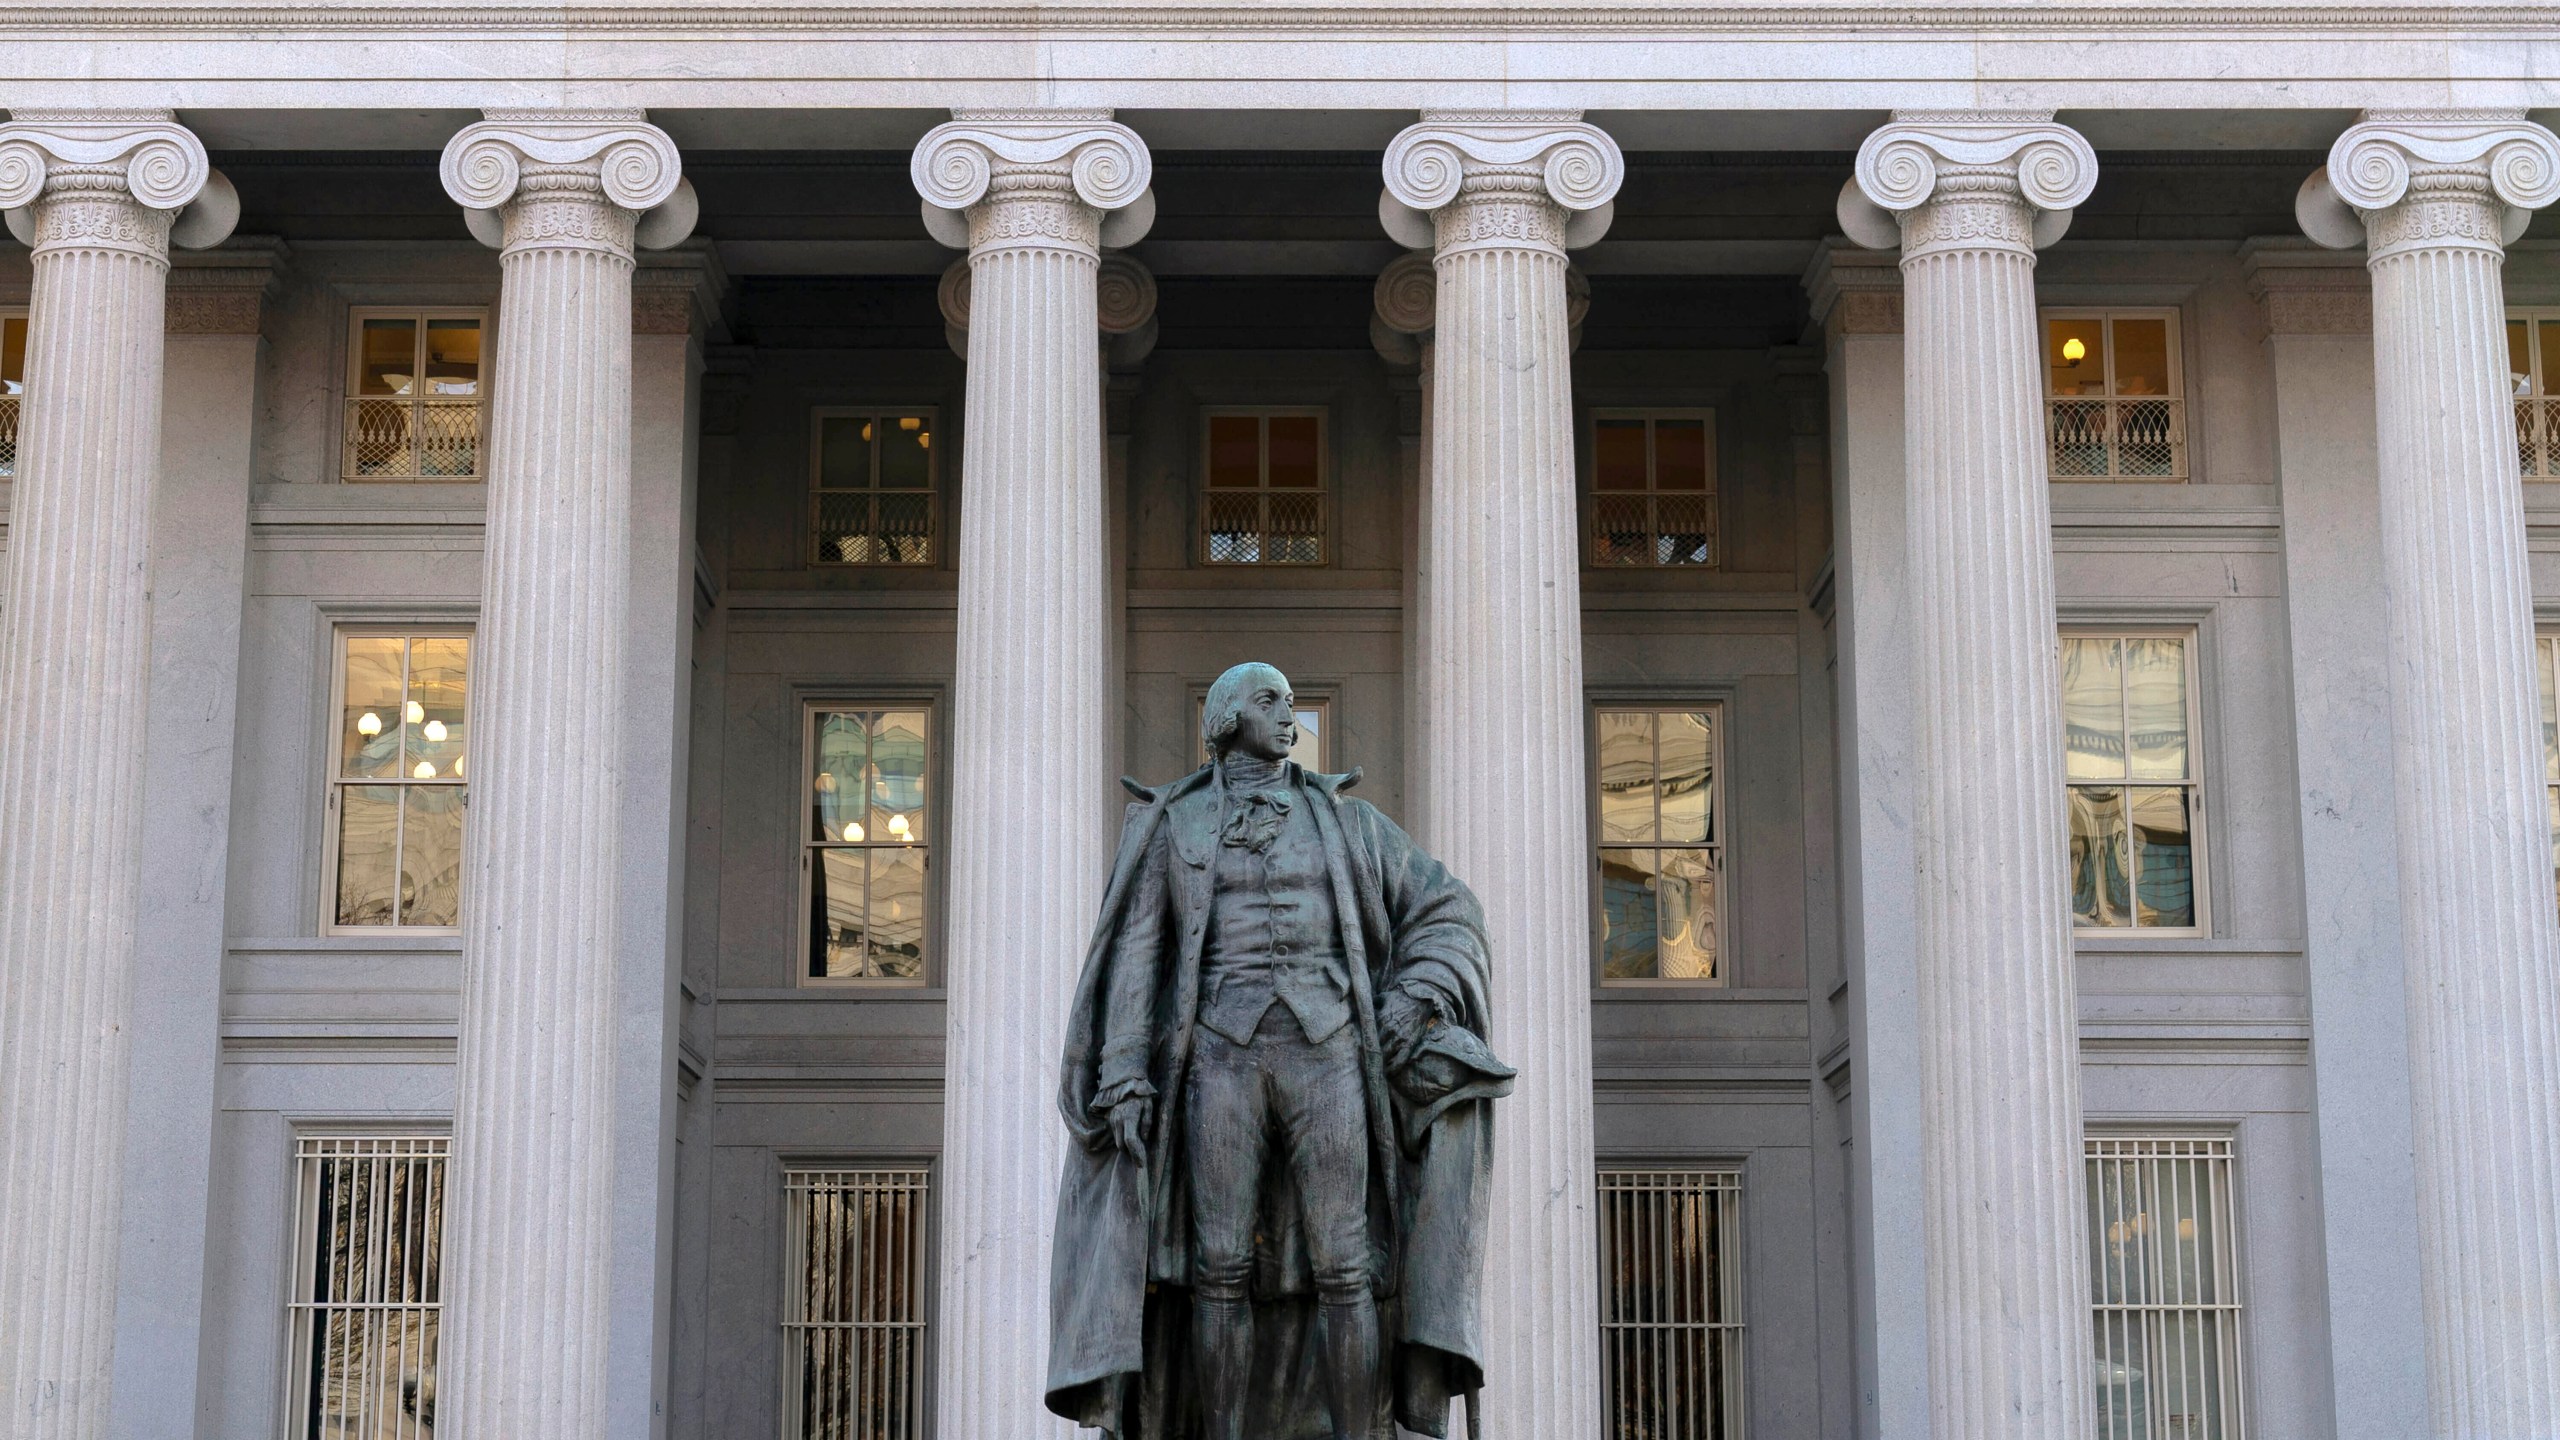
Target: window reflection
column 1660, row 846
column 401, row 785
column 866, row 844
column 2128, row 717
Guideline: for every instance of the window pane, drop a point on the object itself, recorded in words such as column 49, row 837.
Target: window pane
column 431, row 856
column 2542, row 657
column 2098, row 868
column 897, row 776
column 453, row 357
column 1685, row 781
column 906, row 455
column 2555, row 841
column 2156, row 707
column 1618, row 455
column 836, row 928
column 2549, row 334
column 369, row 722
column 2093, row 707
column 2520, row 356
column 1626, row 776
column 437, row 671
column 844, row 452
column 2142, row 356
column 1309, row 751
column 1680, row 455
column 368, row 854
column 2164, row 845
column 1235, row 451
column 1295, row 463
column 389, row 362
column 13, row 354
column 895, row 946
column 1628, row 948
column 837, row 778
column 1688, row 916
column 2075, row 356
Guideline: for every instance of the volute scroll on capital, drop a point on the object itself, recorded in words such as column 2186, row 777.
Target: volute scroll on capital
column 2461, row 158
column 1923, row 156
column 1578, row 169
column 161, row 166
column 1106, row 167
column 633, row 164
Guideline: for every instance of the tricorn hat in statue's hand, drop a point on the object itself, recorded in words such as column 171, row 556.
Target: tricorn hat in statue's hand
column 1452, row 1065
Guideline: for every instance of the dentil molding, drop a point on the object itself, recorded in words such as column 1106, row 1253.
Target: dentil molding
column 2449, row 163
column 616, row 154
column 158, row 164
column 1106, row 166
column 1576, row 167
column 1977, row 164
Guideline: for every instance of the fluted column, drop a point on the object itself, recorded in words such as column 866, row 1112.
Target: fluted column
column 528, row 1236
column 2435, row 198
column 2004, row 1221
column 1034, row 196
column 1500, row 658
column 98, row 195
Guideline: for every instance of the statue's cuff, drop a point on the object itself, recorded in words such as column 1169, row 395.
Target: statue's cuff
column 1442, row 1004
column 1111, row 1095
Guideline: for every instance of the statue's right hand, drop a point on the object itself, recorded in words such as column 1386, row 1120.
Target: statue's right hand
column 1129, row 1126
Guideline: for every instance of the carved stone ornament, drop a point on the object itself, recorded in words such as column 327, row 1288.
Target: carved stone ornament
column 1546, row 179
column 1124, row 308
column 119, row 179
column 570, row 178
column 1072, row 176
column 2404, row 179
column 1932, row 179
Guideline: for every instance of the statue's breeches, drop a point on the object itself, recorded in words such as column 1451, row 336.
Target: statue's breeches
column 1308, row 1097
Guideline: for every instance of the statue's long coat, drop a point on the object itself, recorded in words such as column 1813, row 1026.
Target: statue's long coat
column 1119, row 1297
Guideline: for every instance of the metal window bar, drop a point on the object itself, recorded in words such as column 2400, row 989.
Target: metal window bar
column 2165, row 1285
column 367, row 1288
column 1671, row 1315
column 853, row 1319
column 9, row 434
column 411, row 437
column 2117, row 437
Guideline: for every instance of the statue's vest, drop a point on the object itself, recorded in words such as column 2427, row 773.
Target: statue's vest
column 1273, row 935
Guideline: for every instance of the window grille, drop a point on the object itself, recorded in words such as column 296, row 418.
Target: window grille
column 2165, row 1278
column 1660, row 839
column 1264, row 500
column 398, row 790
column 1671, row 1304
column 873, row 491
column 414, row 396
column 864, row 848
column 2546, row 657
column 367, row 1287
column 853, row 1321
column 2117, row 405
column 2129, row 758
column 2533, row 373
column 1653, row 488
column 13, row 388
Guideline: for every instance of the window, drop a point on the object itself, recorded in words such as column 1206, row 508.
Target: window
column 1264, row 501
column 2165, row 1278
column 872, row 491
column 2117, row 406
column 2129, row 756
column 2546, row 656
column 2533, row 373
column 13, row 386
column 864, row 851
column 368, row 1286
column 853, row 1317
column 1671, row 1304
column 1653, row 487
column 398, row 790
column 414, row 395
column 1315, row 722
column 1661, row 844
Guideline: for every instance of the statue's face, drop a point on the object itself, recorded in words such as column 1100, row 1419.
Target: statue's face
column 1267, row 722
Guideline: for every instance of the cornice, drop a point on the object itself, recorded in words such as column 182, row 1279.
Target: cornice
column 1472, row 16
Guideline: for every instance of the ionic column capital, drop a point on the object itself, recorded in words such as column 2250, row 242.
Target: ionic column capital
column 132, row 180
column 1967, row 179
column 1542, row 179
column 569, row 179
column 1124, row 308
column 1034, row 178
column 2400, row 180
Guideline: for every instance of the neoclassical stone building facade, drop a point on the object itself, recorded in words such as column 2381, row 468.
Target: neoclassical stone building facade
column 1975, row 589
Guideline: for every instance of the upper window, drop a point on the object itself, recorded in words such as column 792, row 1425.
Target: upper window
column 2533, row 373
column 863, row 847
column 2118, row 402
column 2128, row 713
column 13, row 384
column 1264, row 500
column 2164, row 1277
column 1661, row 844
column 1671, row 1303
column 872, row 490
column 415, row 395
column 398, row 784
column 1653, row 487
column 368, row 1285
column 853, row 1303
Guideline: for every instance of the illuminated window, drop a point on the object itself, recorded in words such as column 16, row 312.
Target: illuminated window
column 13, row 386
column 2128, row 715
column 2164, row 1276
column 864, row 847
column 416, row 395
column 1660, row 837
column 398, row 787
column 2116, row 407
column 1653, row 487
column 1263, row 497
column 1671, row 1303
column 853, row 1304
column 2533, row 374
column 368, row 1285
column 873, row 495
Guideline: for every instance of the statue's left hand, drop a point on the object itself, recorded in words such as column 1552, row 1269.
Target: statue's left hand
column 1403, row 1020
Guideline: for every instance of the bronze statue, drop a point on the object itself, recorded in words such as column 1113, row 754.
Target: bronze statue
column 1271, row 1225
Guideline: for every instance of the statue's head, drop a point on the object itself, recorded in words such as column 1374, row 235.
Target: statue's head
column 1251, row 710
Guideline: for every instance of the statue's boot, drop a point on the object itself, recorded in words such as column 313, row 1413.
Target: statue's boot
column 1351, row 1364
column 1222, row 1357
